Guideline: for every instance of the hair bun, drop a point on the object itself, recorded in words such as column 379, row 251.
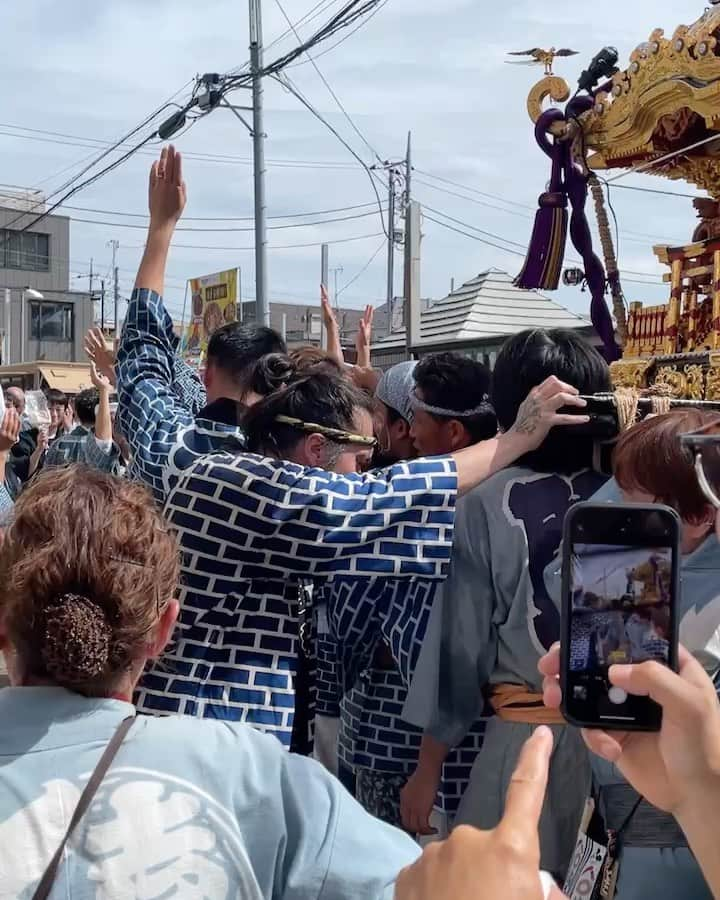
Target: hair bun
column 76, row 645
column 271, row 373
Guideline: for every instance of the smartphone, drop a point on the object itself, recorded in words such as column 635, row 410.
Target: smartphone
column 620, row 589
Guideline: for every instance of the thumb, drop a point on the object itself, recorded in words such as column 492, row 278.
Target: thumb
column 661, row 684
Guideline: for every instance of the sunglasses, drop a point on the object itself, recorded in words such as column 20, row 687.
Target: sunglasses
column 706, row 451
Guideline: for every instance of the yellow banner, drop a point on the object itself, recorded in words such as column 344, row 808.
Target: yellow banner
column 213, row 303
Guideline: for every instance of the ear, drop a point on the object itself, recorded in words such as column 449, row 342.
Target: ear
column 164, row 630
column 457, row 434
column 208, row 375
column 314, row 450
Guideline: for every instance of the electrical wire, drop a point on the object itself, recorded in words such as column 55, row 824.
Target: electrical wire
column 489, row 234
column 362, row 271
column 473, row 190
column 347, row 240
column 343, row 39
column 329, row 88
column 288, row 85
column 143, row 227
column 483, row 203
column 475, row 237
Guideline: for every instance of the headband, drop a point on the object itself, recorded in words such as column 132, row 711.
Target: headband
column 335, row 434
column 484, row 407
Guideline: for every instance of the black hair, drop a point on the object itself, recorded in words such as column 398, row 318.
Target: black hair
column 85, row 404
column 270, row 373
column 524, row 362
column 53, row 395
column 235, row 348
column 323, row 399
column 454, row 382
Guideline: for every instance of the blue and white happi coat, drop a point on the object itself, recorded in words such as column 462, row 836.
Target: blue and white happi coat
column 369, row 699
column 255, row 534
column 160, row 398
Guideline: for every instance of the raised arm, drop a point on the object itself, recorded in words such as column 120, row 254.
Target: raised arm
column 150, row 414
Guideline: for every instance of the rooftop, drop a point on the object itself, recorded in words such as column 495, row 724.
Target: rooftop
column 485, row 308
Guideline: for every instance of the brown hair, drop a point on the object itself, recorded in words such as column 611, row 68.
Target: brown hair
column 650, row 458
column 85, row 568
column 311, row 360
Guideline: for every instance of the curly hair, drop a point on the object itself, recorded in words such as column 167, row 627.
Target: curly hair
column 85, row 569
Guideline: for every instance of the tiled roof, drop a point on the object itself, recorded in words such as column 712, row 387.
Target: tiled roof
column 486, row 307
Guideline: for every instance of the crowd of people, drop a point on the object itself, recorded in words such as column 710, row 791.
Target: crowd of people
column 291, row 630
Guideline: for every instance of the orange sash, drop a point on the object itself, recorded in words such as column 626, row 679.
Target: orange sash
column 515, row 703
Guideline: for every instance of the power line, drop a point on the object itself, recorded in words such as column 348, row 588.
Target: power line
column 475, row 237
column 473, row 190
column 489, row 234
column 483, row 203
column 285, row 82
column 364, row 215
column 117, row 212
column 329, row 88
column 343, row 39
column 363, row 270
column 222, row 159
column 347, row 240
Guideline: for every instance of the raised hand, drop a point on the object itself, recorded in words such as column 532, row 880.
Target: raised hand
column 334, row 347
column 677, row 765
column 100, row 380
column 363, row 340
column 167, row 193
column 487, row 865
column 100, row 356
column 9, row 429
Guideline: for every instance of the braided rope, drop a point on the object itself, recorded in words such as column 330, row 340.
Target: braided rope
column 611, row 266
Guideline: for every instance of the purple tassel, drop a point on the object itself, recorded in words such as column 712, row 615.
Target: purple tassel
column 546, row 252
column 543, row 265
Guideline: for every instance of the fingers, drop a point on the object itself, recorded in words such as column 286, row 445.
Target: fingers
column 673, row 692
column 564, row 419
column 178, row 174
column 162, row 164
column 553, row 385
column 552, row 693
column 526, row 792
column 606, row 746
column 550, row 663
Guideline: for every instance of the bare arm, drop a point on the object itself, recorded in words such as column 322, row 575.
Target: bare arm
column 417, row 798
column 537, row 415
column 334, row 347
column 103, row 420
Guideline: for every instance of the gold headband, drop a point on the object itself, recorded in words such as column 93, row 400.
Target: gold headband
column 334, row 434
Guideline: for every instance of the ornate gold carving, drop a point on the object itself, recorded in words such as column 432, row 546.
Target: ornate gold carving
column 694, row 382
column 669, row 93
column 712, row 384
column 554, row 88
column 675, row 380
column 630, row 373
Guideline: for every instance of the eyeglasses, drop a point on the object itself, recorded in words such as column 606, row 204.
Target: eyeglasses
column 706, row 450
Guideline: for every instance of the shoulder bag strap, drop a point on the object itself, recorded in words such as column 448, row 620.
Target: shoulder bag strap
column 46, row 882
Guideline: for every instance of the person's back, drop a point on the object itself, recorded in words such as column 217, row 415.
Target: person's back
column 495, row 618
column 185, row 808
column 226, row 814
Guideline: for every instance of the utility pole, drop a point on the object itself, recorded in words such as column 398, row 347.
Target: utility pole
column 116, row 292
column 412, row 277
column 102, row 305
column 90, row 278
column 336, row 270
column 262, row 307
column 391, row 251
column 324, row 279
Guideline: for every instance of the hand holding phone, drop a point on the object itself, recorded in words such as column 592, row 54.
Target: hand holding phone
column 620, row 590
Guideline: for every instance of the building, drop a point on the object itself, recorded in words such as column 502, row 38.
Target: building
column 302, row 324
column 477, row 318
column 41, row 319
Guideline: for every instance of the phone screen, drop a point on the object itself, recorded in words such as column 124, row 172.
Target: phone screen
column 619, row 609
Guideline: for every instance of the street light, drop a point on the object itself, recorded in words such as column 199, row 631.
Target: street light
column 32, row 294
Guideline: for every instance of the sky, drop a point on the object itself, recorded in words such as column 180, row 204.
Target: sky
column 90, row 72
